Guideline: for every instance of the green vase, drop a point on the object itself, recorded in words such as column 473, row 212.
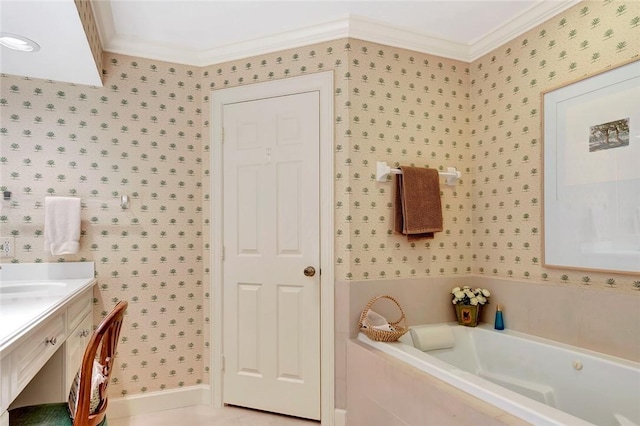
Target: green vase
column 468, row 315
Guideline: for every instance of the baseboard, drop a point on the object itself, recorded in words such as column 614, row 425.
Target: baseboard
column 176, row 398
column 158, row 401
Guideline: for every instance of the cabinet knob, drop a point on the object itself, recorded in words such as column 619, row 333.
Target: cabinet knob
column 51, row 341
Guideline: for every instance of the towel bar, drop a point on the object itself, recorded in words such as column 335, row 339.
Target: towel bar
column 383, row 169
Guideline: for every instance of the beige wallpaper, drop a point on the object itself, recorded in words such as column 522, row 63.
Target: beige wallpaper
column 506, row 135
column 139, row 135
column 91, row 30
column 391, row 105
column 146, row 134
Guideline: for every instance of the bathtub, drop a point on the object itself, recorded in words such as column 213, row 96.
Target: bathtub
column 538, row 380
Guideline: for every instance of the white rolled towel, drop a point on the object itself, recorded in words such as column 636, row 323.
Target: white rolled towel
column 377, row 321
column 432, row 336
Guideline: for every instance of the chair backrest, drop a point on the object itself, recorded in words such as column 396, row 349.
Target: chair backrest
column 104, row 338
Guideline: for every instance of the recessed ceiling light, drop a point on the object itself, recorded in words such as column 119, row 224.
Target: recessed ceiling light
column 17, row 42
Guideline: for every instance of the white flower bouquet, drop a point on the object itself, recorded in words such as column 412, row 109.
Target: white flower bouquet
column 468, row 296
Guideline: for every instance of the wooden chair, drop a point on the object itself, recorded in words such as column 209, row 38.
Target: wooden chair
column 105, row 338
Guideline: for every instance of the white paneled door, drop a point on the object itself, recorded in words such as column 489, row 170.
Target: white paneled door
column 271, row 290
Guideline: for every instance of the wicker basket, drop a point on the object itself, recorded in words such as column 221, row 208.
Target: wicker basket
column 400, row 326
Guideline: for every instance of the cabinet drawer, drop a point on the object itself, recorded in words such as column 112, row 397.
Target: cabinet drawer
column 79, row 309
column 29, row 357
column 76, row 343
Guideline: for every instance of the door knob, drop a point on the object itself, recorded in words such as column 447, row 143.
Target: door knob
column 309, row 271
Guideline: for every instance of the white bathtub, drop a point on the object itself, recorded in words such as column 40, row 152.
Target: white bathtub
column 538, row 380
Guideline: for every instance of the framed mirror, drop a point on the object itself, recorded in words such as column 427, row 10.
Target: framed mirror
column 591, row 130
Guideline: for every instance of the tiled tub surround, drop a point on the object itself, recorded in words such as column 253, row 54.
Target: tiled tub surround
column 595, row 319
column 41, row 307
column 537, row 380
column 606, row 322
column 385, row 391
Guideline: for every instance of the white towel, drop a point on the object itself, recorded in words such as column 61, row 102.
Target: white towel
column 430, row 337
column 377, row 322
column 62, row 225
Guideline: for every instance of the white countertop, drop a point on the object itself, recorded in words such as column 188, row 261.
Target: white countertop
column 30, row 292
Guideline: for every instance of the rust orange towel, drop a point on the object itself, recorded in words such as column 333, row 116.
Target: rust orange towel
column 418, row 210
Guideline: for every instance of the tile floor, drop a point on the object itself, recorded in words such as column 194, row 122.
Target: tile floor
column 205, row 415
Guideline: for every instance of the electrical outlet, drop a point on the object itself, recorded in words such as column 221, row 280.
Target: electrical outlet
column 7, row 246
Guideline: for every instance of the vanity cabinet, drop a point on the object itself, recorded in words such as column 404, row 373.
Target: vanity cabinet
column 46, row 370
column 39, row 365
column 30, row 356
column 74, row 349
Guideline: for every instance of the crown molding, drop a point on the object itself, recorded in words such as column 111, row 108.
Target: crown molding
column 530, row 18
column 327, row 31
column 133, row 46
column 389, row 35
column 104, row 21
column 349, row 27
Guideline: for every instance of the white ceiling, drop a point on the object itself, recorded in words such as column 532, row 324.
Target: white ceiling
column 64, row 53
column 208, row 32
column 205, row 32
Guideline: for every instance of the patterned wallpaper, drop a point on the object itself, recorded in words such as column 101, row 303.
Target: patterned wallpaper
column 406, row 109
column 146, row 134
column 91, row 30
column 139, row 135
column 391, row 105
column 506, row 139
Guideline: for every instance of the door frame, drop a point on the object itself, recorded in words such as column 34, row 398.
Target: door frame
column 323, row 83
